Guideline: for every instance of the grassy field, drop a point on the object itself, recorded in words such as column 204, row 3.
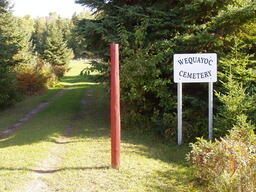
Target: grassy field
column 82, row 160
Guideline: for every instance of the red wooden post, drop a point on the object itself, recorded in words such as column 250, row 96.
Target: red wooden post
column 115, row 107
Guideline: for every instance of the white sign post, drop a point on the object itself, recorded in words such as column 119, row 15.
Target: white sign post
column 195, row 68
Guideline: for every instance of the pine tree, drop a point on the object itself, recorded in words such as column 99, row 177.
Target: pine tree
column 11, row 39
column 25, row 56
column 39, row 35
column 56, row 51
column 76, row 41
column 150, row 32
column 15, row 52
column 235, row 102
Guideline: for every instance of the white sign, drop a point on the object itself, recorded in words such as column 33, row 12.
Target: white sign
column 195, row 68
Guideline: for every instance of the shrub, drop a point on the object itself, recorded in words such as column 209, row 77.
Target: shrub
column 46, row 70
column 31, row 82
column 52, row 80
column 59, row 70
column 8, row 88
column 228, row 164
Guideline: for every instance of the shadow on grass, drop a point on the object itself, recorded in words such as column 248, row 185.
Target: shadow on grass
column 47, row 171
column 63, row 142
column 155, row 147
column 80, row 78
column 146, row 144
column 54, row 120
column 178, row 180
column 58, row 116
column 13, row 114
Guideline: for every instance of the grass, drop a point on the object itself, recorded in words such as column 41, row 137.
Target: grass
column 32, row 143
column 12, row 114
column 147, row 163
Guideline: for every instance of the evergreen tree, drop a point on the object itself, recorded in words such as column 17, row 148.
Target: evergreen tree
column 56, row 51
column 11, row 36
column 149, row 33
column 15, row 52
column 39, row 35
column 77, row 42
column 11, row 39
column 25, row 55
column 235, row 103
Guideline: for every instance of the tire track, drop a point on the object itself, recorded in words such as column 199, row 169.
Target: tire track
column 50, row 164
column 39, row 108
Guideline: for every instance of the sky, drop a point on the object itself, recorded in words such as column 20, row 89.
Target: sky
column 40, row 8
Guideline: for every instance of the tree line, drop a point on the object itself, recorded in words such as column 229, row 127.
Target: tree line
column 150, row 32
column 35, row 53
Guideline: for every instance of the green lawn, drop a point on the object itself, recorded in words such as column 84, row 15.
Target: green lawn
column 83, row 160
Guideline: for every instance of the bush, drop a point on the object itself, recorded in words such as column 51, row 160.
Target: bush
column 52, row 80
column 31, row 82
column 59, row 70
column 8, row 88
column 229, row 164
column 46, row 70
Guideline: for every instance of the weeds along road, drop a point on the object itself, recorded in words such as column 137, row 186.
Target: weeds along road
column 66, row 147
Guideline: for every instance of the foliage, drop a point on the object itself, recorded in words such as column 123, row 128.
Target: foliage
column 59, row 71
column 12, row 41
column 228, row 164
column 8, row 88
column 52, row 39
column 76, row 41
column 237, row 91
column 41, row 71
column 26, row 54
column 39, row 35
column 65, row 26
column 26, row 45
column 240, row 63
column 31, row 82
column 35, row 78
column 14, row 51
column 55, row 51
column 150, row 32
column 235, row 102
column 46, row 70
